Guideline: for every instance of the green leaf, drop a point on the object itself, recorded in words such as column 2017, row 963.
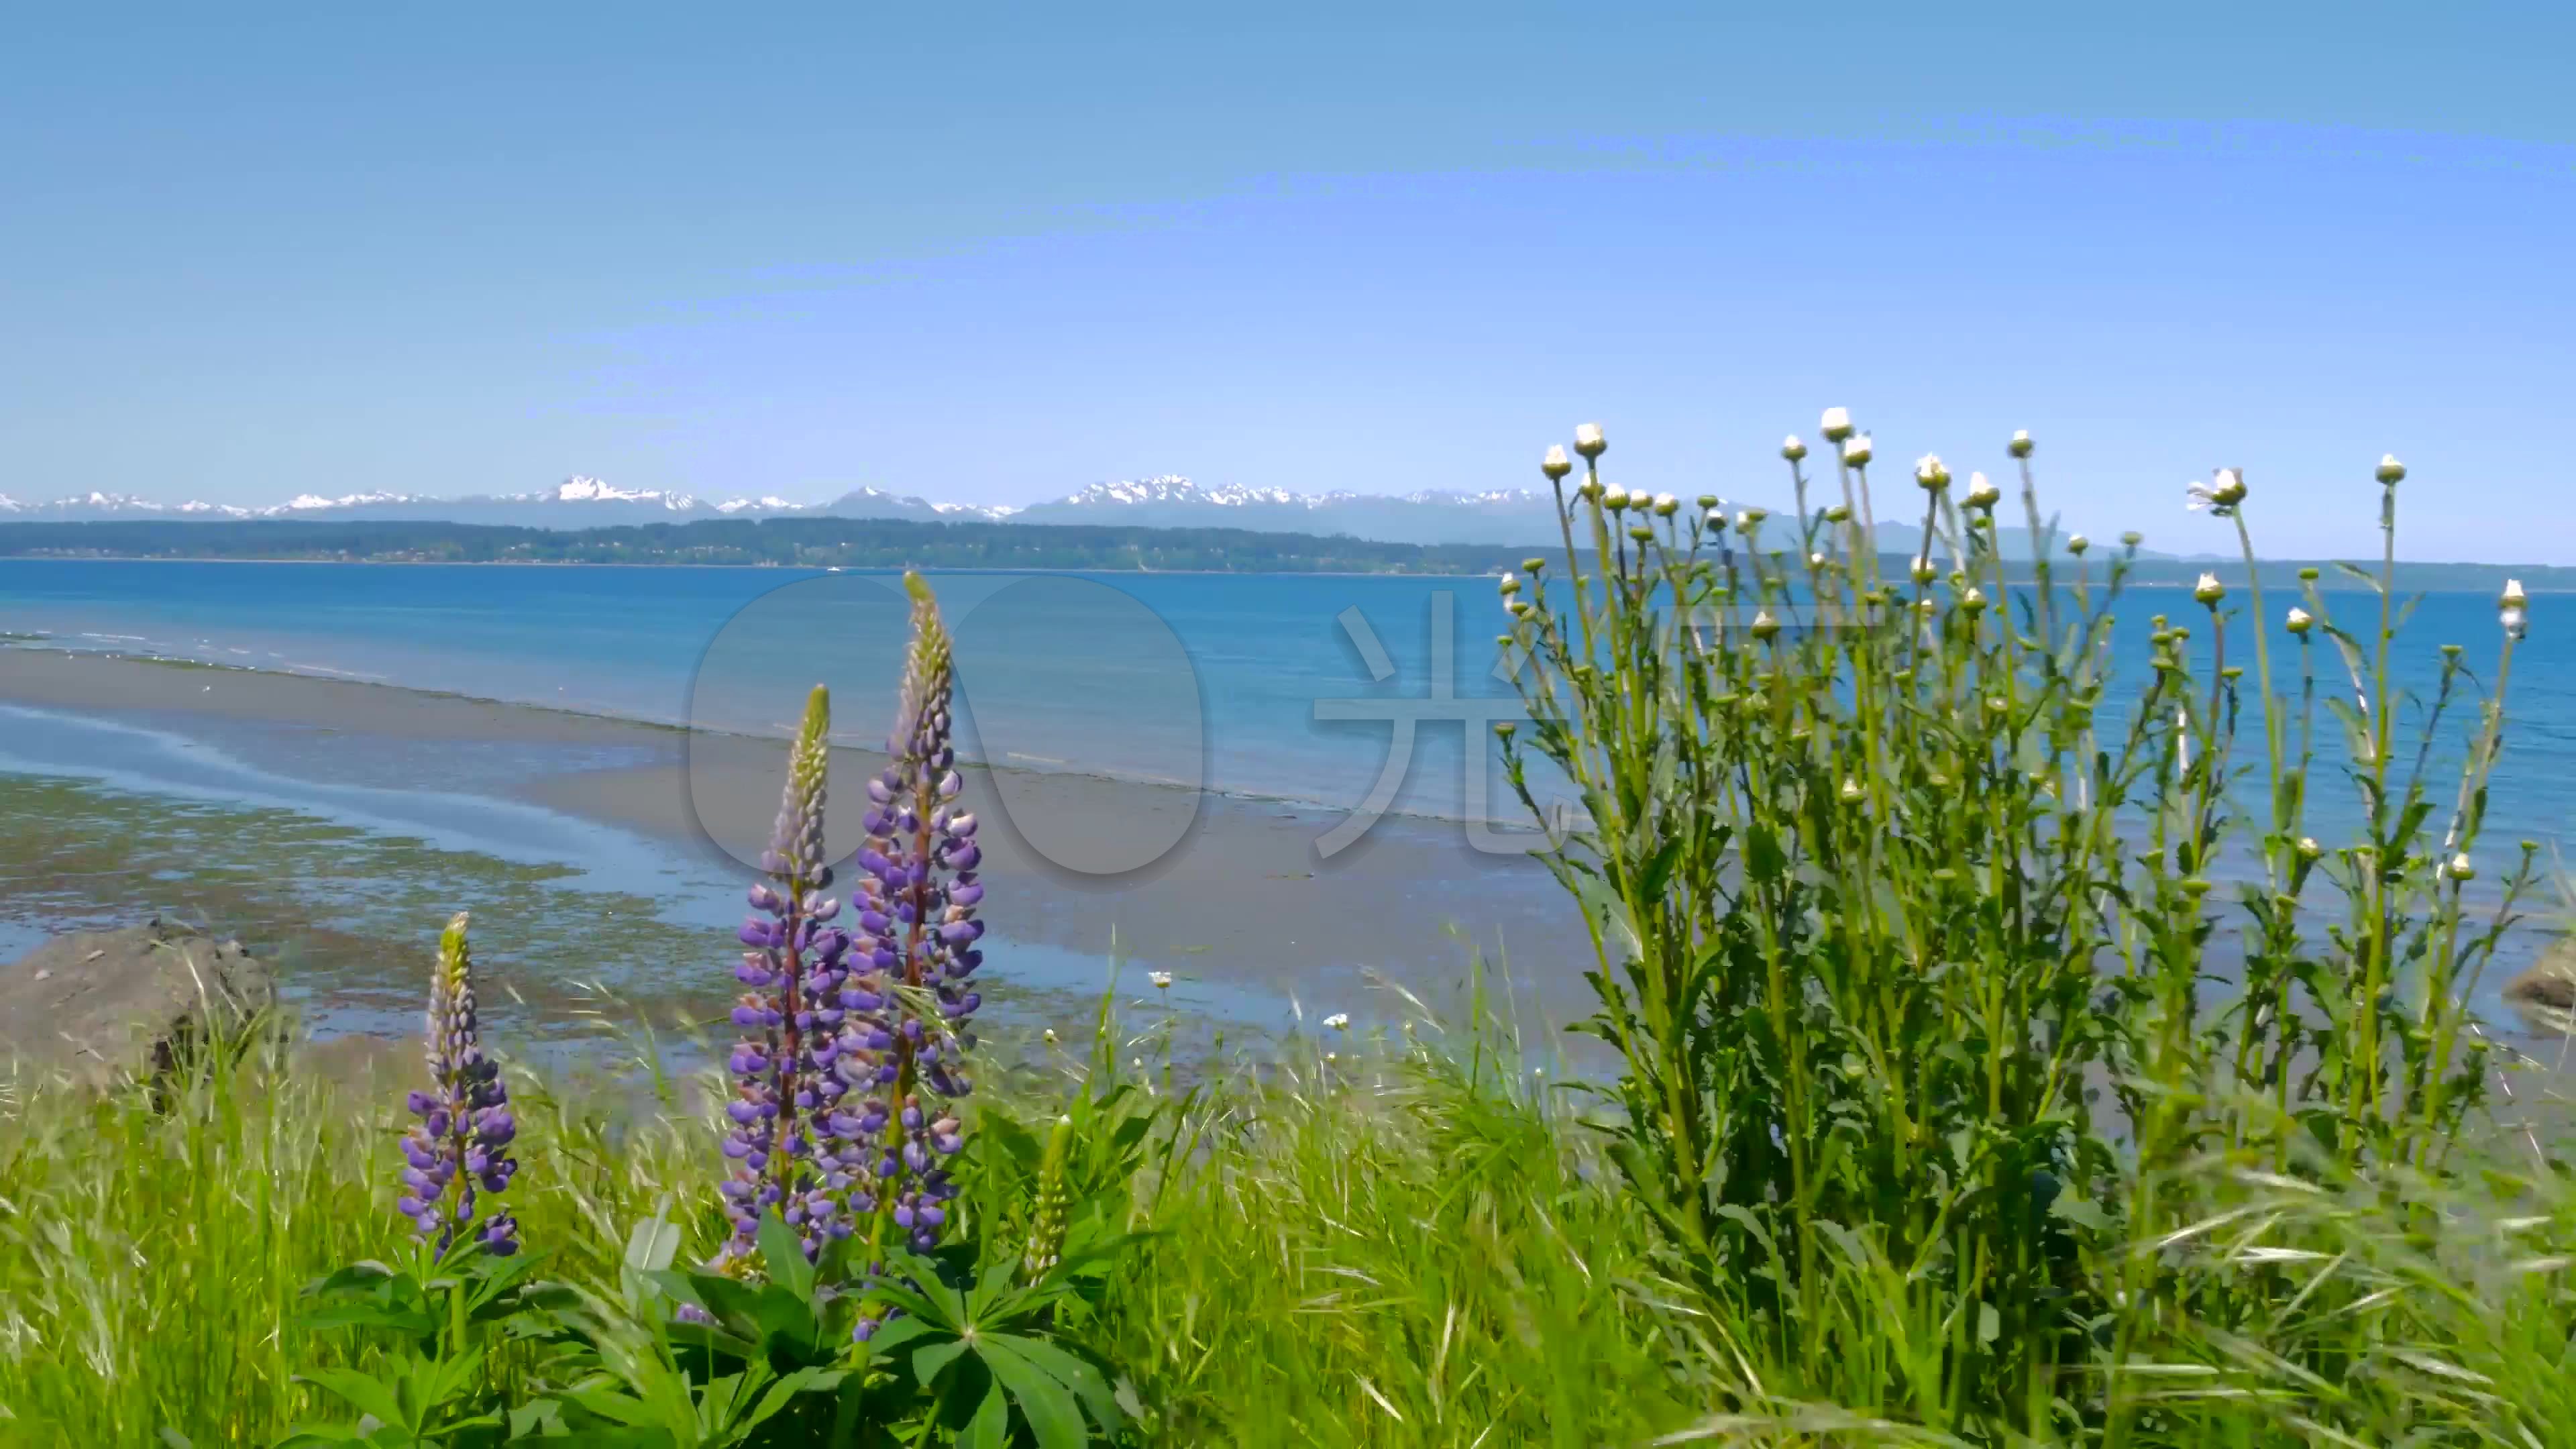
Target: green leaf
column 783, row 1254
column 360, row 1391
column 1046, row 1404
column 1086, row 1381
column 931, row 1358
column 991, row 1426
column 652, row 1244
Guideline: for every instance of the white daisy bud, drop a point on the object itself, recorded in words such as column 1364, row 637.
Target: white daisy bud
column 1666, row 505
column 1982, row 494
column 1588, row 440
column 1851, row 790
column 2309, row 849
column 1924, row 572
column 2209, row 590
column 2390, row 470
column 1836, row 424
column 1556, row 464
column 1929, row 471
column 2513, row 597
column 1856, row 450
column 1338, row 1021
column 2300, row 621
column 1162, row 979
column 2462, row 868
column 2020, row 444
column 1974, row 601
column 1614, row 499
column 1764, row 626
column 1510, row 585
column 1793, row 450
column 2076, row 543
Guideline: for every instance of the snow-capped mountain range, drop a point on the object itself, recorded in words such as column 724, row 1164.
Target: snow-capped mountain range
column 1510, row 516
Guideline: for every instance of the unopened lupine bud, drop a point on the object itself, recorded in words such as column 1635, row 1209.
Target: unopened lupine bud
column 2300, row 621
column 2020, row 444
column 2390, row 470
column 1792, row 449
column 457, row 1148
column 1588, row 440
column 1836, row 424
column 1556, row 464
column 2209, row 590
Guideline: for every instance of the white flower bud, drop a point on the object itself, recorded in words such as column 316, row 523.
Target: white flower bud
column 1974, row 600
column 1666, row 505
column 2462, row 868
column 1929, row 471
column 1614, row 498
column 2309, row 849
column 2076, row 543
column 1982, row 494
column 1793, row 450
column 1764, row 626
column 1510, row 585
column 1924, row 571
column 1819, row 559
column 1339, row 1021
column 1856, row 450
column 2513, row 597
column 2020, row 444
column 2390, row 470
column 1162, row 979
column 1851, row 790
column 2209, row 590
column 1588, row 440
column 2300, row 621
column 1556, row 464
column 1835, row 425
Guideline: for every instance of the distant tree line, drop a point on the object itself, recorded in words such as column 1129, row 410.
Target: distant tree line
column 875, row 543
column 778, row 542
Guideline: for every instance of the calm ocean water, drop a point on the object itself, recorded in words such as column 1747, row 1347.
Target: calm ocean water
column 1274, row 685
column 1277, row 686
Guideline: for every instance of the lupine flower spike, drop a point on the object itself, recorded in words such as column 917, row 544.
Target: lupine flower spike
column 784, row 1088
column 460, row 1143
column 911, row 994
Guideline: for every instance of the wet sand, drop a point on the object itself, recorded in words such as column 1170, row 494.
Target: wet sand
column 1216, row 888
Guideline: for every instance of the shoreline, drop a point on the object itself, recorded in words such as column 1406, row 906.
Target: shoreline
column 1240, row 897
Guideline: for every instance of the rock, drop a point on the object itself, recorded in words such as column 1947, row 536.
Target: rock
column 2546, row 994
column 101, row 1005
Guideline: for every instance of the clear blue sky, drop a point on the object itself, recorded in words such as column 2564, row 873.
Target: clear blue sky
column 991, row 258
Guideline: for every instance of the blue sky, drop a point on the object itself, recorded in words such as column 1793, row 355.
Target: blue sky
column 1000, row 252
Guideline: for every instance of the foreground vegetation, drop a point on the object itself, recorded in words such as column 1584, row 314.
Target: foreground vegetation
column 1985, row 1072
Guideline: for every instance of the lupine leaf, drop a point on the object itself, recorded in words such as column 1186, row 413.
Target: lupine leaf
column 1047, row 1405
column 1086, row 1381
column 783, row 1254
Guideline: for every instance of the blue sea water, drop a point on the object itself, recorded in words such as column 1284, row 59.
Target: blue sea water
column 1243, row 683
column 1199, row 679
column 1271, row 685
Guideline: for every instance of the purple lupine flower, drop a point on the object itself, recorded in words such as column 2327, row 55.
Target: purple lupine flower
column 913, row 954
column 460, row 1145
column 785, row 1095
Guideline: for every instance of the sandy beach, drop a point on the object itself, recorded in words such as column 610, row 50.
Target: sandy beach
column 1216, row 888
